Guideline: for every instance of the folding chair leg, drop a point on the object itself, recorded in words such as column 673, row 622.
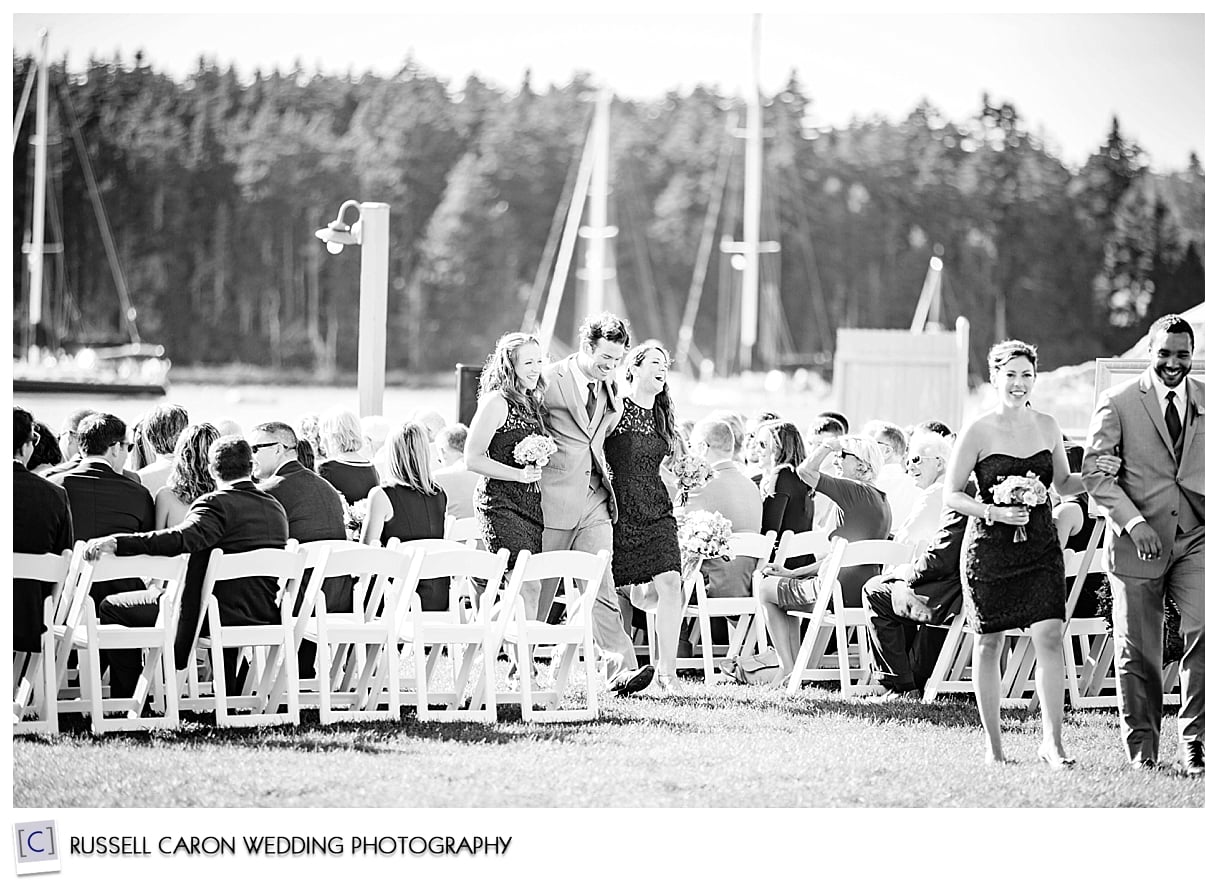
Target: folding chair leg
column 708, row 648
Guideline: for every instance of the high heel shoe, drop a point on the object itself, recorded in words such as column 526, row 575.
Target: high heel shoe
column 1053, row 760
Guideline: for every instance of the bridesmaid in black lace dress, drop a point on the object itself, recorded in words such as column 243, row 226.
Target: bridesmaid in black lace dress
column 645, row 550
column 1007, row 583
column 507, row 501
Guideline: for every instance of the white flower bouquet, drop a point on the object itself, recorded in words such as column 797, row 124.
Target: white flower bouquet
column 535, row 450
column 692, row 473
column 1026, row 491
column 702, row 535
column 354, row 516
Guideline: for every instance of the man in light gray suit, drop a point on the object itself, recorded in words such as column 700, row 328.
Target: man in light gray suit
column 1155, row 508
column 577, row 498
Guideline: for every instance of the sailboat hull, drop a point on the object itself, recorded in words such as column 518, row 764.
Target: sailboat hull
column 30, row 385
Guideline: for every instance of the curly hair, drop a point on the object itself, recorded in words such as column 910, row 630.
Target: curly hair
column 499, row 374
column 666, row 414
column 163, row 425
column 189, row 477
column 1007, row 350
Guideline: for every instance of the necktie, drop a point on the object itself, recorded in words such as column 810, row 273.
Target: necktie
column 591, row 400
column 1172, row 418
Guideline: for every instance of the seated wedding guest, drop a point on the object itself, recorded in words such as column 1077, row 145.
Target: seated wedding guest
column 731, row 494
column 189, row 475
column 936, row 427
column 864, row 514
column 69, row 442
column 409, row 504
column 926, row 464
column 901, row 603
column 236, row 517
column 141, row 453
column 305, row 454
column 162, row 426
column 896, row 483
column 46, row 453
column 453, row 475
column 375, row 429
column 314, row 510
column 786, row 500
column 344, row 465
column 824, row 509
column 309, row 431
column 42, row 524
column 736, row 421
column 103, row 499
column 432, row 422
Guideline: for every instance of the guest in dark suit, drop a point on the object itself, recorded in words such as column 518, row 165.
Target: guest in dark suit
column 314, row 509
column 42, row 524
column 236, row 517
column 104, row 501
column 1155, row 509
column 900, row 603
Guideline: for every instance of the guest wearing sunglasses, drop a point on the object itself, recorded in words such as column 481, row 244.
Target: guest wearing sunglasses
column 926, row 464
column 103, row 499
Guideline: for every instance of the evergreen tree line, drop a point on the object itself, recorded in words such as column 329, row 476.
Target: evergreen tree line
column 213, row 188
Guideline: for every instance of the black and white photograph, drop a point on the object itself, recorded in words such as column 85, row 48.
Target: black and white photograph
column 671, row 409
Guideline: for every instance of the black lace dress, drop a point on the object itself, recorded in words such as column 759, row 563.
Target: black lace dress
column 645, row 535
column 1010, row 584
column 509, row 512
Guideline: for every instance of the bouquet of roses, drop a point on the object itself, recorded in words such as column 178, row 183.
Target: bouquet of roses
column 535, row 450
column 702, row 535
column 1026, row 491
column 692, row 473
column 353, row 518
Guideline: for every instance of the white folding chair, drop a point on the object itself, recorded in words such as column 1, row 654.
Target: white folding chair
column 749, row 625
column 853, row 661
column 358, row 650
column 580, row 574
column 463, row 530
column 815, row 543
column 156, row 643
column 269, row 645
column 35, row 682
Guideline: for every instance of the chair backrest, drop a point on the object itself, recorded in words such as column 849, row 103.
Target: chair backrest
column 43, row 567
column 461, row 565
column 169, row 572
column 428, row 545
column 285, row 564
column 815, row 542
column 885, row 552
column 756, row 545
column 570, row 567
column 462, row 530
column 380, row 575
column 314, row 550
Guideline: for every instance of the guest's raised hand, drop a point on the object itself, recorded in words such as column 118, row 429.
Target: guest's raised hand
column 97, row 547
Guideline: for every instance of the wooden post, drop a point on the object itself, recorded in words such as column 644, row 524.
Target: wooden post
column 373, row 305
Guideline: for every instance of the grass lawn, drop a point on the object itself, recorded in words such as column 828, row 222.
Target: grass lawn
column 722, row 746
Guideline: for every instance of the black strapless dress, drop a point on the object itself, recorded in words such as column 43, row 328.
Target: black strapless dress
column 509, row 512
column 645, row 535
column 1010, row 584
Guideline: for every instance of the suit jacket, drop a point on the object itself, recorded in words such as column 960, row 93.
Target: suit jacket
column 68, row 464
column 42, row 524
column 239, row 518
column 314, row 508
column 581, row 446
column 936, row 572
column 1163, row 485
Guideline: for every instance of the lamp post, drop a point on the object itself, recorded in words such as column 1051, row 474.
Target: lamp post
column 371, row 232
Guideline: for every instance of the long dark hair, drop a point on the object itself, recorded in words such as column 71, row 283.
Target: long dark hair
column 499, row 373
column 666, row 414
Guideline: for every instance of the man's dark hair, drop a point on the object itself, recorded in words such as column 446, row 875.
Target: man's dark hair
column 1173, row 324
column 826, row 425
column 23, row 428
column 231, row 458
column 163, row 425
column 837, row 416
column 99, row 432
column 934, row 426
column 605, row 326
column 75, row 418
column 281, row 432
column 46, row 451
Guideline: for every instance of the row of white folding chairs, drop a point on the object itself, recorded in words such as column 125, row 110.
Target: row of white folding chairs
column 358, row 662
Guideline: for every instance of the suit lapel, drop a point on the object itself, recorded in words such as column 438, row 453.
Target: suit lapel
column 1196, row 408
column 1150, row 401
column 569, row 387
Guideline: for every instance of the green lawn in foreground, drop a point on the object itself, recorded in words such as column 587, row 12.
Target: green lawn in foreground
column 713, row 746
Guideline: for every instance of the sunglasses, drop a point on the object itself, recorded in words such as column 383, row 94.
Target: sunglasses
column 254, row 448
column 35, row 437
column 915, row 460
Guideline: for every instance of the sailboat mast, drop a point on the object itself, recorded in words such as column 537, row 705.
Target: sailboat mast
column 596, row 268
column 38, row 234
column 751, row 278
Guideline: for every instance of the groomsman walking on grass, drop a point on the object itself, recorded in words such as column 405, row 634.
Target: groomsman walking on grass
column 577, row 498
column 1155, row 508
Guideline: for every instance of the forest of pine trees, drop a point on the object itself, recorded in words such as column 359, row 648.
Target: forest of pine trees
column 214, row 186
